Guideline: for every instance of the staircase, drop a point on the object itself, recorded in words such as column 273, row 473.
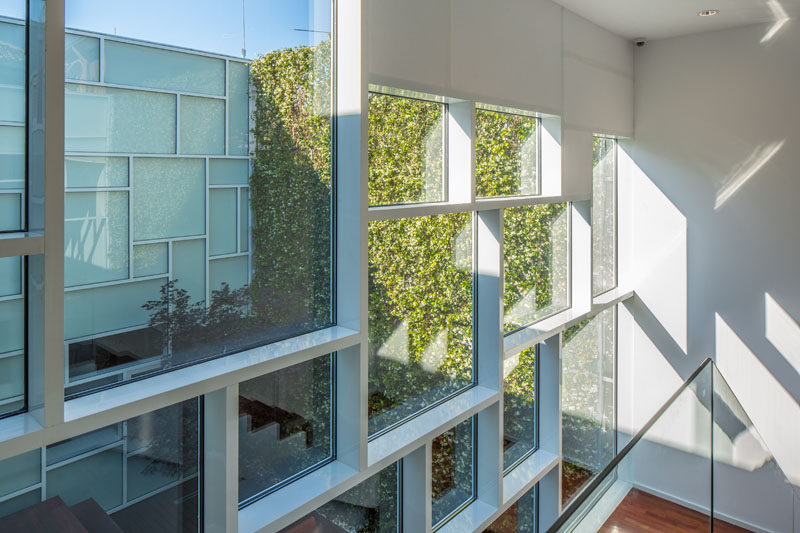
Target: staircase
column 54, row 515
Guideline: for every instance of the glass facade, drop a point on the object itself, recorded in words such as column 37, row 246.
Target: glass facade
column 588, row 400
column 12, row 334
column 536, row 263
column 604, row 215
column 506, row 153
column 372, row 506
column 519, row 518
column 197, row 223
column 453, row 470
column 13, row 58
column 285, row 425
column 142, row 474
column 519, row 407
column 420, row 314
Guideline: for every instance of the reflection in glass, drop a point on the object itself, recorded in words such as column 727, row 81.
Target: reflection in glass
column 420, row 314
column 371, row 506
column 142, row 474
column 506, row 153
column 12, row 335
column 604, row 215
column 519, row 518
column 519, row 406
column 536, row 259
column 453, row 470
column 588, row 360
column 12, row 115
column 406, row 150
column 285, row 425
column 198, row 183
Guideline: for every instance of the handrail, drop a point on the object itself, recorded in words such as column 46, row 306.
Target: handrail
column 601, row 477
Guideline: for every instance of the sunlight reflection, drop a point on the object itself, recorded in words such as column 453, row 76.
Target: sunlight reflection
column 396, row 346
column 746, row 170
column 782, row 331
column 781, row 18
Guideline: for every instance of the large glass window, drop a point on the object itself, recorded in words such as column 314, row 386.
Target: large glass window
column 588, row 400
column 506, row 152
column 604, row 215
column 285, row 426
column 406, row 149
column 519, row 518
column 536, row 263
column 139, row 475
column 372, row 506
column 12, row 114
column 198, row 182
column 519, row 407
column 453, row 470
column 12, row 335
column 420, row 314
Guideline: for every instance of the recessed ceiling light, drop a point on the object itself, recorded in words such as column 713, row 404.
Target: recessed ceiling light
column 708, row 12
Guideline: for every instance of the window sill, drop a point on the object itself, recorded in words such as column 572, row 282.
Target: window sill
column 474, row 517
column 398, row 442
column 22, row 243
column 19, row 434
column 527, row 474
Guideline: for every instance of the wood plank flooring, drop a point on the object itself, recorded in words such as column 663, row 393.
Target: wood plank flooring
column 641, row 512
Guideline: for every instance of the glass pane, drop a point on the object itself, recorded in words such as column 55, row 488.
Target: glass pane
column 420, row 314
column 371, row 506
column 181, row 106
column 12, row 116
column 519, row 406
column 536, row 248
column 406, row 150
column 519, row 518
column 139, row 475
column 506, row 153
column 452, row 475
column 12, row 335
column 604, row 215
column 587, row 399
column 285, row 425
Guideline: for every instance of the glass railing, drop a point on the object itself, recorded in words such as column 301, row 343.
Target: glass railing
column 697, row 465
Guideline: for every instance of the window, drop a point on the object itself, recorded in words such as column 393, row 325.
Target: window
column 536, row 257
column 198, row 197
column 372, row 505
column 588, row 398
column 506, row 152
column 420, row 314
column 285, row 426
column 140, row 474
column 604, row 215
column 519, row 518
column 519, row 407
column 406, row 149
column 453, row 477
column 12, row 337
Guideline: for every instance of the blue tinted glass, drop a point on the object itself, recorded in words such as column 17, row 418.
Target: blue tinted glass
column 82, row 58
column 202, row 125
column 222, row 212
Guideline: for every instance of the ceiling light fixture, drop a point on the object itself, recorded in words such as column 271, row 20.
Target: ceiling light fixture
column 708, row 12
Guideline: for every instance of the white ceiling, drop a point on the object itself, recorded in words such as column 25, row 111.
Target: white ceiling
column 658, row 19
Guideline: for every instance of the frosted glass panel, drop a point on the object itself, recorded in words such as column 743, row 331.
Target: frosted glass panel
column 104, row 119
column 150, row 259
column 96, row 172
column 94, row 311
column 12, row 325
column 10, row 282
column 82, row 58
column 168, row 198
column 244, row 220
column 188, row 267
column 238, row 109
column 12, row 72
column 20, row 472
column 232, row 270
column 145, row 66
column 12, row 157
column 202, row 125
column 97, row 476
column 228, row 171
column 222, row 210
column 12, row 379
column 10, row 219
column 95, row 237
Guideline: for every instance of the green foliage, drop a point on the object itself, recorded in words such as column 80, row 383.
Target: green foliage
column 505, row 154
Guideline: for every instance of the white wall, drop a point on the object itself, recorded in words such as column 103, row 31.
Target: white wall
column 715, row 256
column 531, row 54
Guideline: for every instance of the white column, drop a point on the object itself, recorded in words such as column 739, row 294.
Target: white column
column 221, row 460
column 550, row 427
column 461, row 151
column 417, row 490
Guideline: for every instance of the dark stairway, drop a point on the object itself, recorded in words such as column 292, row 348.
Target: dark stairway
column 54, row 515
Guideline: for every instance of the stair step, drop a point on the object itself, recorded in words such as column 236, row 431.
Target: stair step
column 94, row 518
column 46, row 517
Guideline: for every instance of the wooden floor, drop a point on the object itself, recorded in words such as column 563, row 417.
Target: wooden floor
column 641, row 512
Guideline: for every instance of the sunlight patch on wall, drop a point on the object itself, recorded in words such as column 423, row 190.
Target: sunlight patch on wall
column 746, row 170
column 782, row 331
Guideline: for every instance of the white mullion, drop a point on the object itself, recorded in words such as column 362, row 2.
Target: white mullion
column 460, row 152
column 580, row 242
column 549, row 399
column 102, row 60
column 177, row 123
column 221, row 460
column 207, row 247
column 21, row 244
column 124, row 463
column 417, row 490
column 227, row 104
column 130, row 218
